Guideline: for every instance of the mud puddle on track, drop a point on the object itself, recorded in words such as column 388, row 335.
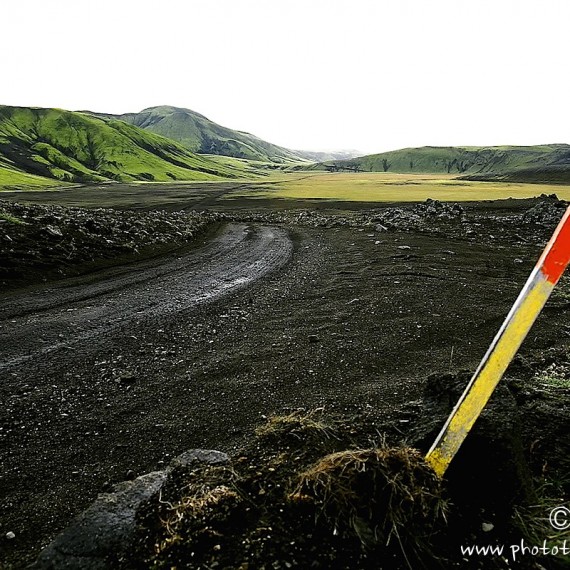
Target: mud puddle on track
column 34, row 324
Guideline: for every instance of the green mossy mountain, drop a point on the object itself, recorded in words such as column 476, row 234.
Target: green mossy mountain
column 41, row 146
column 543, row 163
column 201, row 135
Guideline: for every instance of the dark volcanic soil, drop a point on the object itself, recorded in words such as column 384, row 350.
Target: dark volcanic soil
column 354, row 322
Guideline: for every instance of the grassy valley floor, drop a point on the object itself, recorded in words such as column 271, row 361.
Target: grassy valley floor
column 283, row 190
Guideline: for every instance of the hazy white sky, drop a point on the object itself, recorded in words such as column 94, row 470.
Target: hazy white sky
column 372, row 75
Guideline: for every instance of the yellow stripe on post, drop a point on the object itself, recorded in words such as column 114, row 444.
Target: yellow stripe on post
column 511, row 335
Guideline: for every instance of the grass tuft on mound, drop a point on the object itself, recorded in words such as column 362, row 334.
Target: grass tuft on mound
column 375, row 494
column 303, row 495
column 208, row 508
column 295, row 427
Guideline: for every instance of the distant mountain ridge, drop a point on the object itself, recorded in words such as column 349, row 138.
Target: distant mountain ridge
column 550, row 163
column 201, row 135
column 74, row 147
column 41, row 146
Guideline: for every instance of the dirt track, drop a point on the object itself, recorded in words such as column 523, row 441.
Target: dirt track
column 35, row 324
column 354, row 322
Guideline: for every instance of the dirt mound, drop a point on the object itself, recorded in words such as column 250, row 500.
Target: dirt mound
column 540, row 385
column 377, row 495
column 490, row 475
column 287, row 503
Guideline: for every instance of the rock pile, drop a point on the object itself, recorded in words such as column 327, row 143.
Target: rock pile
column 424, row 216
column 36, row 238
column 441, row 210
column 546, row 213
column 421, row 216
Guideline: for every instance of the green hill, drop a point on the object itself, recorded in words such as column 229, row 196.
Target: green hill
column 523, row 163
column 40, row 146
column 200, row 135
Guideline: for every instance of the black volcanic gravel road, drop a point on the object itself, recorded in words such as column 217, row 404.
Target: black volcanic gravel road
column 105, row 378
column 32, row 325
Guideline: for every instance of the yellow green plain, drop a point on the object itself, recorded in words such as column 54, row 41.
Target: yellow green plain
column 392, row 187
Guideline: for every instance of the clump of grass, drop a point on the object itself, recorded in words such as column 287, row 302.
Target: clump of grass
column 201, row 505
column 293, row 495
column 10, row 218
column 375, row 495
column 208, row 504
column 296, row 428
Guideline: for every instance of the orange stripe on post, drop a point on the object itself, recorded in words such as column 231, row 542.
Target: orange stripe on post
column 556, row 256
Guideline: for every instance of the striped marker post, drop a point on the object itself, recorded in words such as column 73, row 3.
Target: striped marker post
column 511, row 335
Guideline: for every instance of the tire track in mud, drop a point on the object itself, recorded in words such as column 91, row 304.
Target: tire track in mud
column 34, row 324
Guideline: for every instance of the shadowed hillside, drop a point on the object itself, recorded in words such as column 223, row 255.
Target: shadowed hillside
column 544, row 163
